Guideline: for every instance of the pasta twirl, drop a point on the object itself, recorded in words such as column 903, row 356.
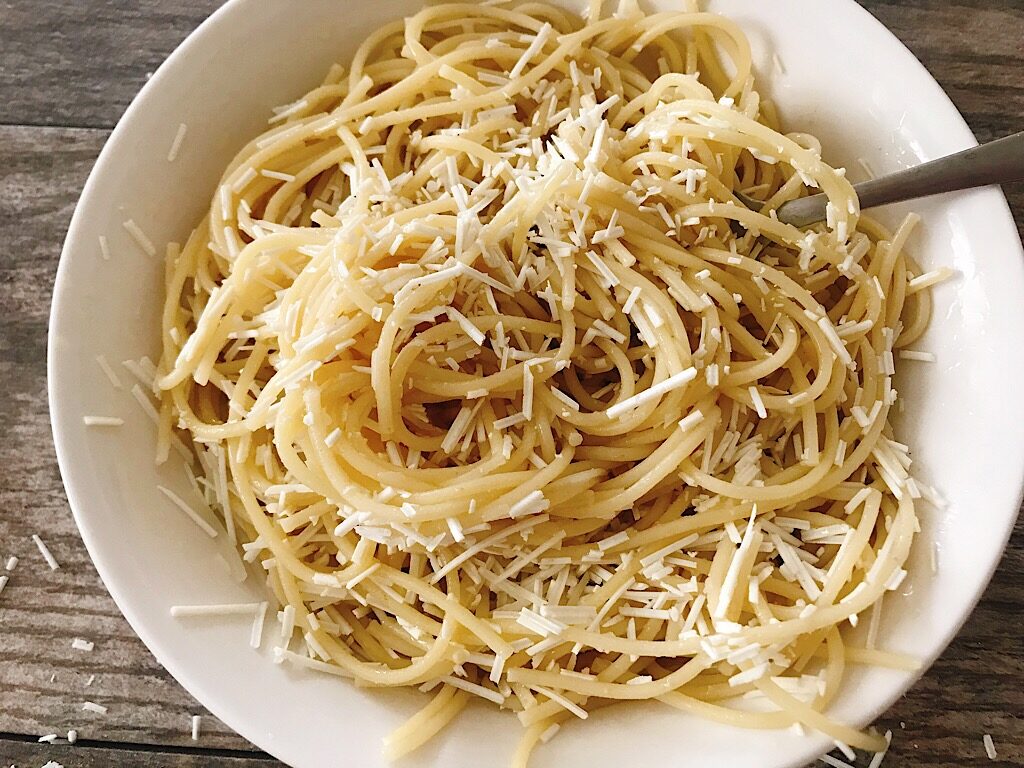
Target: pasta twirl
column 511, row 398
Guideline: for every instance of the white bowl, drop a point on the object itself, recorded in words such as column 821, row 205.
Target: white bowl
column 846, row 79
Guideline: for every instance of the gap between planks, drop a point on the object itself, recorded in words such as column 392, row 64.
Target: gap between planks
column 124, row 746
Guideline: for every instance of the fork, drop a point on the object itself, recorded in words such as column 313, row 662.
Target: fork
column 996, row 162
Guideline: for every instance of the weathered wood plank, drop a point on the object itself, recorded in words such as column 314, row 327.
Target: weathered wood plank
column 52, row 75
column 81, row 63
column 89, row 755
column 42, row 175
column 974, row 688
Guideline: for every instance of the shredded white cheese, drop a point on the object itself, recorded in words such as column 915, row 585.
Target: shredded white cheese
column 102, row 421
column 179, row 138
column 139, row 237
column 45, row 552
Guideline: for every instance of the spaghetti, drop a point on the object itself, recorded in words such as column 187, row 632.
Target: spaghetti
column 511, row 398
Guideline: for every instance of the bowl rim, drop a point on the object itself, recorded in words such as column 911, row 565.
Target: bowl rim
column 956, row 125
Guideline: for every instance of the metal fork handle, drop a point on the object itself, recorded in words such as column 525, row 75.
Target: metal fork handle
column 996, row 162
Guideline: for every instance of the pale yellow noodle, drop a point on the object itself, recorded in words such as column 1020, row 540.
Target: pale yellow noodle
column 484, row 363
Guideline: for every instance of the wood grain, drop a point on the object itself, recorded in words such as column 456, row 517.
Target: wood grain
column 81, row 63
column 67, row 72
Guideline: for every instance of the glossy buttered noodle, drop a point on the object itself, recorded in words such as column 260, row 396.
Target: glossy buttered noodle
column 484, row 363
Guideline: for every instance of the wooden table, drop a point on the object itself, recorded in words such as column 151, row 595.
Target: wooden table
column 67, row 71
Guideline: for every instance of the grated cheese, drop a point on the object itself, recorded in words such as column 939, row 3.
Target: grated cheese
column 878, row 757
column 835, row 341
column 101, row 361
column 277, row 175
column 562, row 701
column 536, row 45
column 538, row 624
column 749, row 675
column 531, row 504
column 256, row 635
column 653, row 393
column 194, row 516
column 179, row 138
column 477, row 690
column 104, row 248
column 45, row 552
column 990, row 747
column 911, row 354
column 102, row 421
column 139, row 237
column 835, row 762
column 755, row 397
column 215, row 609
column 549, row 733
column 928, row 279
column 443, row 283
